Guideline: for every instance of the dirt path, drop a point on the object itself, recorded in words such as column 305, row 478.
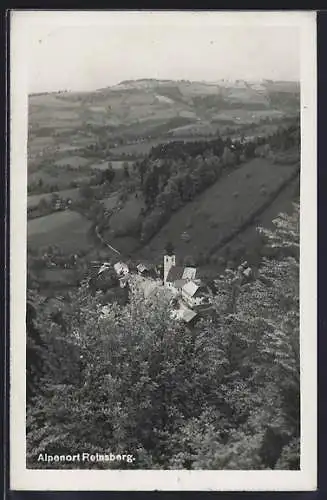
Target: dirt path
column 105, row 243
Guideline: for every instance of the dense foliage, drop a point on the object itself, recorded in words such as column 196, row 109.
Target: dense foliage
column 221, row 395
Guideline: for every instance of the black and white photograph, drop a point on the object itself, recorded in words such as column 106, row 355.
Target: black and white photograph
column 163, row 320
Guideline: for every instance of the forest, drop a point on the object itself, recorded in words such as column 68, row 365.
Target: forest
column 224, row 394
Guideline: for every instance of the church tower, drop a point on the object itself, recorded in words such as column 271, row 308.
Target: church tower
column 169, row 260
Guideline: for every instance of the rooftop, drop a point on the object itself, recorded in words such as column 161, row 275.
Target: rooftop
column 179, row 283
column 192, row 287
column 175, row 273
column 189, row 273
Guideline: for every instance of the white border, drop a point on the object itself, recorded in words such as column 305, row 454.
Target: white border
column 148, row 480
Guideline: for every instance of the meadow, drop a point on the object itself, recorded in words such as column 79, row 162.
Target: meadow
column 67, row 229
column 122, row 224
column 215, row 214
column 116, row 164
column 72, row 161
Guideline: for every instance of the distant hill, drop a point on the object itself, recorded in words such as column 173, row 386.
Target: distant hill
column 158, row 100
column 153, row 109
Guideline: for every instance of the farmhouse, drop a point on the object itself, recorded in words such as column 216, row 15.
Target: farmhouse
column 179, row 283
column 60, row 204
column 121, row 268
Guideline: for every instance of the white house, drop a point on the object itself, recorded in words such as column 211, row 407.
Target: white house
column 121, row 268
column 189, row 273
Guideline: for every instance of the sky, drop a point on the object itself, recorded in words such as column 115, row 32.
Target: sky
column 65, row 51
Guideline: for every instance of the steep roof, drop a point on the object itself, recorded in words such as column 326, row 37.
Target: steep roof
column 187, row 315
column 192, row 288
column 119, row 266
column 142, row 267
column 179, row 283
column 183, row 313
column 189, row 273
column 175, row 273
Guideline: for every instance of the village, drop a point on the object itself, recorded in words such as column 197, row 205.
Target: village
column 190, row 296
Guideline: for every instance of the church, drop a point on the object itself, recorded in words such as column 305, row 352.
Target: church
column 183, row 281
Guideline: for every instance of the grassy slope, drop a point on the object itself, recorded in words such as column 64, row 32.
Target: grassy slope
column 138, row 107
column 67, row 229
column 222, row 208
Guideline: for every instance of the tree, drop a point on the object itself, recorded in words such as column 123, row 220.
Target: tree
column 228, row 157
column 108, row 175
column 35, row 348
column 126, row 170
column 189, row 261
column 169, row 248
column 86, row 192
column 223, row 394
column 150, row 187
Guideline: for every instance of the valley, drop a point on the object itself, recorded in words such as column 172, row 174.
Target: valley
column 89, row 153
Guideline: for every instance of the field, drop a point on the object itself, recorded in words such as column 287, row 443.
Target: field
column 144, row 147
column 72, row 161
column 220, row 210
column 245, row 116
column 140, row 148
column 248, row 238
column 151, row 110
column 110, row 202
column 67, row 229
column 60, row 177
column 116, row 164
column 121, row 221
column 34, row 200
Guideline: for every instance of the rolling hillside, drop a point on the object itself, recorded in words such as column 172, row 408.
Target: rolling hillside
column 60, row 122
column 73, row 135
column 207, row 222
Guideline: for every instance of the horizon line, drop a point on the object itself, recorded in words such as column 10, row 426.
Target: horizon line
column 184, row 80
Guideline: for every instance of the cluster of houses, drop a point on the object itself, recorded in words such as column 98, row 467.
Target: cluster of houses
column 62, row 261
column 61, row 204
column 189, row 296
